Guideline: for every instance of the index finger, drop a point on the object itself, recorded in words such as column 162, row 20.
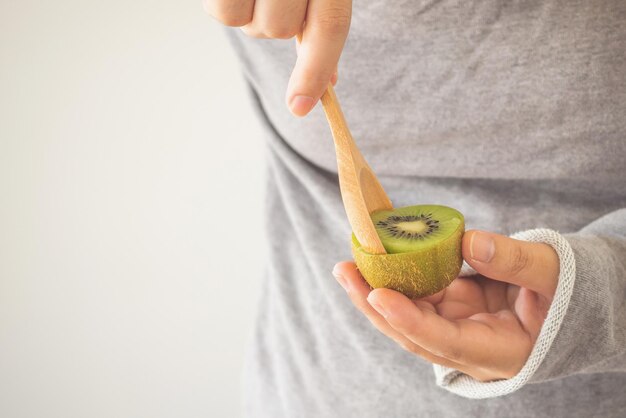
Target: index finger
column 325, row 31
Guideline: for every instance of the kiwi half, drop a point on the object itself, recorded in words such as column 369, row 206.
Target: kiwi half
column 423, row 245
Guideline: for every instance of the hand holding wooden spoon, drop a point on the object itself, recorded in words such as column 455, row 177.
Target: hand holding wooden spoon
column 323, row 23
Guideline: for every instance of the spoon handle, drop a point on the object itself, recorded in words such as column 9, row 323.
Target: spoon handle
column 361, row 191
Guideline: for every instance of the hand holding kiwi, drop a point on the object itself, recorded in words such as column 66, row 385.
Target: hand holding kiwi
column 423, row 245
column 485, row 325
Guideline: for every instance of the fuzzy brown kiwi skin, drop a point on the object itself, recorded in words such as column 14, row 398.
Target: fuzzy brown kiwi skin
column 416, row 274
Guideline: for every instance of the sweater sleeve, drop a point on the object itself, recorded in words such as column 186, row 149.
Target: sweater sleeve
column 585, row 328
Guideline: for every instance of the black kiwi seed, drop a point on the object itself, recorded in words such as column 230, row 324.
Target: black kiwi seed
column 390, row 225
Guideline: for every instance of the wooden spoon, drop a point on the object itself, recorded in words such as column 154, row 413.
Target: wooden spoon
column 361, row 191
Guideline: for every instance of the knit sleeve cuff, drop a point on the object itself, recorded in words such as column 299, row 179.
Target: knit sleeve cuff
column 468, row 387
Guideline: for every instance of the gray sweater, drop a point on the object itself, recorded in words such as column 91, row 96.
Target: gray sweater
column 513, row 112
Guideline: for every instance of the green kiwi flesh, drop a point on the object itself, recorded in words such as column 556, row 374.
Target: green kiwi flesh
column 423, row 245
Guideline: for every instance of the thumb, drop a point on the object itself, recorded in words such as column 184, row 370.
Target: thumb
column 534, row 266
column 322, row 41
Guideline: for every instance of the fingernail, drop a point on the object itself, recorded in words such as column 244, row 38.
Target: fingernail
column 376, row 305
column 482, row 247
column 301, row 105
column 342, row 280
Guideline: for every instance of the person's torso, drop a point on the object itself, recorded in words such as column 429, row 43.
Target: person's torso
column 512, row 112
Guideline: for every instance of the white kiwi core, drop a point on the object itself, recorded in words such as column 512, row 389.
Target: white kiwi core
column 413, row 226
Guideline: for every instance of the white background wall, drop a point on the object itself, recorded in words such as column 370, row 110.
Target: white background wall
column 130, row 211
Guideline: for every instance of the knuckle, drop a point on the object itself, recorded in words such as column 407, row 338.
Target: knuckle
column 235, row 20
column 334, row 20
column 252, row 32
column 286, row 32
column 519, row 260
column 227, row 14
